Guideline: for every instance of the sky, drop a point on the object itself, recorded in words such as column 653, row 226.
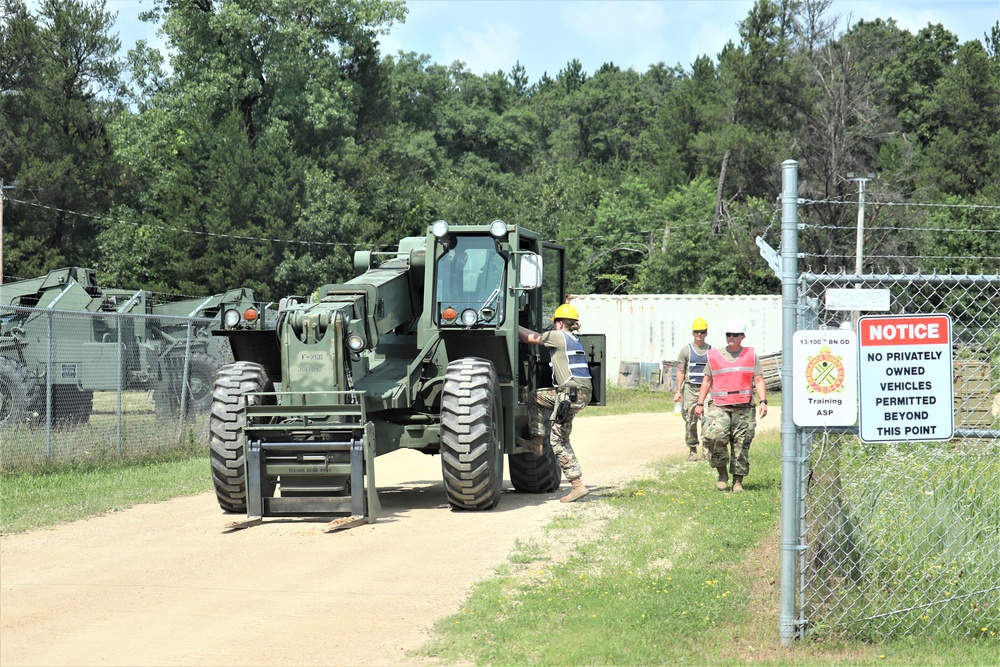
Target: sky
column 545, row 35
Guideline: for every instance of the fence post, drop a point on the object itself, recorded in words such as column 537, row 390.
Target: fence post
column 119, row 317
column 185, row 378
column 48, row 387
column 789, row 453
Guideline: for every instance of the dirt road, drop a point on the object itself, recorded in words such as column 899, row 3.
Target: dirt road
column 162, row 585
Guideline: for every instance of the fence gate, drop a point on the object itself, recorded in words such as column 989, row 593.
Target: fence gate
column 886, row 539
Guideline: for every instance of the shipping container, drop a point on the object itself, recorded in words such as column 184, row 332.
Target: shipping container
column 645, row 329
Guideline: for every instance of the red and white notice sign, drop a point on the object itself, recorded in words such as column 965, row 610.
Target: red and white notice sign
column 905, row 378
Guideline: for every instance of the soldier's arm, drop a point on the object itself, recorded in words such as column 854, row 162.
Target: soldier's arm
column 706, row 386
column 528, row 336
column 761, row 387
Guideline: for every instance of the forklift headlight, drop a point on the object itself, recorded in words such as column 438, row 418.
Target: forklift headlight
column 355, row 343
column 498, row 229
column 469, row 316
column 231, row 318
column 439, row 229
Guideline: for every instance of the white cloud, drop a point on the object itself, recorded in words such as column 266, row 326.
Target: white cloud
column 610, row 30
column 487, row 48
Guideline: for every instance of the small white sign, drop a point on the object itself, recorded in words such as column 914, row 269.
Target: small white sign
column 906, row 378
column 824, row 378
column 857, row 299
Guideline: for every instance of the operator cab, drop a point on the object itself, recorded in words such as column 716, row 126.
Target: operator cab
column 471, row 277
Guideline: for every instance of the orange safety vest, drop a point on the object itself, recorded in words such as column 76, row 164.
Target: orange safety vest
column 732, row 381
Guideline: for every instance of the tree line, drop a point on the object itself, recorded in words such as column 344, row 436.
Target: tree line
column 270, row 139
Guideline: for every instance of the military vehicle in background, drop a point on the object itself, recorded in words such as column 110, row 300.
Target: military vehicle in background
column 420, row 350
column 154, row 346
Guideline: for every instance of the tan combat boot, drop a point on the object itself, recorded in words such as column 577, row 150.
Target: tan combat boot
column 578, row 491
column 723, row 482
column 693, row 454
column 534, row 445
column 737, row 483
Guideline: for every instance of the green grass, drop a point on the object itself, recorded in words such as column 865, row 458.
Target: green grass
column 30, row 500
column 625, row 401
column 934, row 537
column 27, row 448
column 664, row 571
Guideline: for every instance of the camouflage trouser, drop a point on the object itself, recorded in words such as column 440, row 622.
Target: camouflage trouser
column 730, row 428
column 541, row 403
column 690, row 397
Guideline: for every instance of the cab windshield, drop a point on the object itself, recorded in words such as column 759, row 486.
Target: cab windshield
column 470, row 275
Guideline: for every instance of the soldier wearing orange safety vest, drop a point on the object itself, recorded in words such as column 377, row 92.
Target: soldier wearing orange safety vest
column 732, row 377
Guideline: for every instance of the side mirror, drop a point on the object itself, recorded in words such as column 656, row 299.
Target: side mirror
column 531, row 271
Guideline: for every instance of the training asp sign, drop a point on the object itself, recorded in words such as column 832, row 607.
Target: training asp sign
column 905, row 372
column 824, row 378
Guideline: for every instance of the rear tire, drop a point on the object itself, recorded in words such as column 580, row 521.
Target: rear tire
column 20, row 393
column 70, row 405
column 229, row 415
column 472, row 435
column 535, row 474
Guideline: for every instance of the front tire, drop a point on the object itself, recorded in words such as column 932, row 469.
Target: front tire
column 472, row 435
column 201, row 379
column 226, row 423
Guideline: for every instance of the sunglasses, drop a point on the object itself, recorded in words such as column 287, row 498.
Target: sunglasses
column 734, row 335
column 700, row 331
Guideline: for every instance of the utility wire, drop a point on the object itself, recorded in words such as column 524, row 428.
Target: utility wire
column 179, row 230
column 645, row 233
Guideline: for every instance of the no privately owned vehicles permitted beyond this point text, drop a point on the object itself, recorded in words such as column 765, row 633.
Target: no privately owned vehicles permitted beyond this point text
column 905, row 373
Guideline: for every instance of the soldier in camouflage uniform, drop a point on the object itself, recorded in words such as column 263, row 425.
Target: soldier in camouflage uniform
column 691, row 364
column 731, row 377
column 571, row 386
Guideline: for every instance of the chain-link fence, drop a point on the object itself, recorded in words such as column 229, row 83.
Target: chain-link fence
column 81, row 386
column 904, row 538
column 888, row 539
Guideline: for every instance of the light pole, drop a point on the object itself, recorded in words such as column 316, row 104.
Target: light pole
column 3, row 186
column 861, row 181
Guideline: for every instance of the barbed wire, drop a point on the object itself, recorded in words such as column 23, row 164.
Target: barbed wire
column 852, row 229
column 869, row 202
column 831, row 255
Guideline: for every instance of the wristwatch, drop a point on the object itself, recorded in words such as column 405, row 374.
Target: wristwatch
column 699, row 405
column 764, row 401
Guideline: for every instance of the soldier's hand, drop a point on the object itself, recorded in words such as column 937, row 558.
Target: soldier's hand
column 677, row 397
column 762, row 410
column 699, row 411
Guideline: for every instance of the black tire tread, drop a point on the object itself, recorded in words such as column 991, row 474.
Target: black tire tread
column 472, row 435
column 21, row 393
column 530, row 473
column 226, row 422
